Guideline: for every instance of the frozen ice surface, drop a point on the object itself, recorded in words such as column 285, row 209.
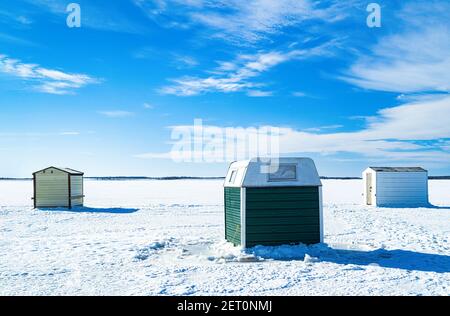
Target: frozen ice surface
column 166, row 238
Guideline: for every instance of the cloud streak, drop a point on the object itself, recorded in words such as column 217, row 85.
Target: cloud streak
column 242, row 22
column 237, row 75
column 415, row 60
column 94, row 16
column 45, row 80
column 116, row 114
column 413, row 132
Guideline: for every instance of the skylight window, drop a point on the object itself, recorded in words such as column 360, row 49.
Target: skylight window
column 285, row 172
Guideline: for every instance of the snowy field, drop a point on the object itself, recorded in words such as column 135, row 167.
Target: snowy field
column 166, row 238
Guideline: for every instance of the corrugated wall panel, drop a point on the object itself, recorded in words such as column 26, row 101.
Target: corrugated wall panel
column 408, row 189
column 77, row 185
column 77, row 189
column 52, row 189
column 233, row 215
column 290, row 215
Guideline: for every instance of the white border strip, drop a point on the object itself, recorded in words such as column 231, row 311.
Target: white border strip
column 243, row 222
column 321, row 214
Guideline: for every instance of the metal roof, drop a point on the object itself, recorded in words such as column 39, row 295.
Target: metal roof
column 273, row 172
column 398, row 169
column 66, row 170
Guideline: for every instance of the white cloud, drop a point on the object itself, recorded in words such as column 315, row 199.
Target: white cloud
column 145, row 53
column 242, row 22
column 24, row 20
column 415, row 60
column 189, row 86
column 15, row 18
column 182, row 61
column 16, row 40
column 95, row 15
column 299, row 94
column 235, row 75
column 445, row 145
column 148, row 106
column 259, row 93
column 413, row 132
column 70, row 133
column 321, row 128
column 43, row 79
column 226, row 66
column 116, row 113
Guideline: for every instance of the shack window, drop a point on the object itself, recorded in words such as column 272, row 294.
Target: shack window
column 284, row 172
column 233, row 176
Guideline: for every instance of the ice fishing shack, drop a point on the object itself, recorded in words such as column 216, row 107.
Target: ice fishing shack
column 395, row 186
column 58, row 187
column 273, row 202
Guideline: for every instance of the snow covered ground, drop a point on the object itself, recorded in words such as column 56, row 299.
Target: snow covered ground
column 166, row 238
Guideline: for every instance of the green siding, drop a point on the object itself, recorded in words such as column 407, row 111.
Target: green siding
column 233, row 215
column 285, row 215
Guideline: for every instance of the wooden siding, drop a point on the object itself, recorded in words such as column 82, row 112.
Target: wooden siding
column 285, row 215
column 51, row 187
column 233, row 215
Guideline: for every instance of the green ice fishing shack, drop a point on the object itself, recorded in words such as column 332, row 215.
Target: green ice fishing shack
column 273, row 202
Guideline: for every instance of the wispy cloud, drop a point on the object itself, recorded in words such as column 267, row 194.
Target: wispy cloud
column 259, row 93
column 242, row 22
column 322, row 128
column 299, row 94
column 116, row 113
column 415, row 60
column 413, row 132
column 183, row 61
column 70, row 133
column 148, row 106
column 15, row 18
column 145, row 53
column 16, row 40
column 43, row 79
column 95, row 15
column 236, row 75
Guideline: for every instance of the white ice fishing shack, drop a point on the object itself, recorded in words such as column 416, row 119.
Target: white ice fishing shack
column 395, row 186
column 58, row 187
column 273, row 202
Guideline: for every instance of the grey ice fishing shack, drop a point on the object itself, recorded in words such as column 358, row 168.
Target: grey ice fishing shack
column 58, row 187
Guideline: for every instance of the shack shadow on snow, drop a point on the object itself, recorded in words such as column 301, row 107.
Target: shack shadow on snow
column 395, row 259
column 437, row 207
column 425, row 206
column 111, row 210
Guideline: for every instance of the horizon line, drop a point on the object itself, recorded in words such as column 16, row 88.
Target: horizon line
column 112, row 178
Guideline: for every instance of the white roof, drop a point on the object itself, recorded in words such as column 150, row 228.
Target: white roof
column 397, row 169
column 272, row 172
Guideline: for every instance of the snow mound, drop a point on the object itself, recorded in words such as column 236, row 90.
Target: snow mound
column 145, row 252
column 290, row 252
column 225, row 252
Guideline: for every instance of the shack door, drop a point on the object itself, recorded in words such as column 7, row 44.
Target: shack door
column 369, row 188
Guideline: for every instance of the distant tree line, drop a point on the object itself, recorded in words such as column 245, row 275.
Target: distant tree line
column 200, row 178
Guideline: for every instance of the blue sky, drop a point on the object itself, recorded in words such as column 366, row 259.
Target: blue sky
column 105, row 98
